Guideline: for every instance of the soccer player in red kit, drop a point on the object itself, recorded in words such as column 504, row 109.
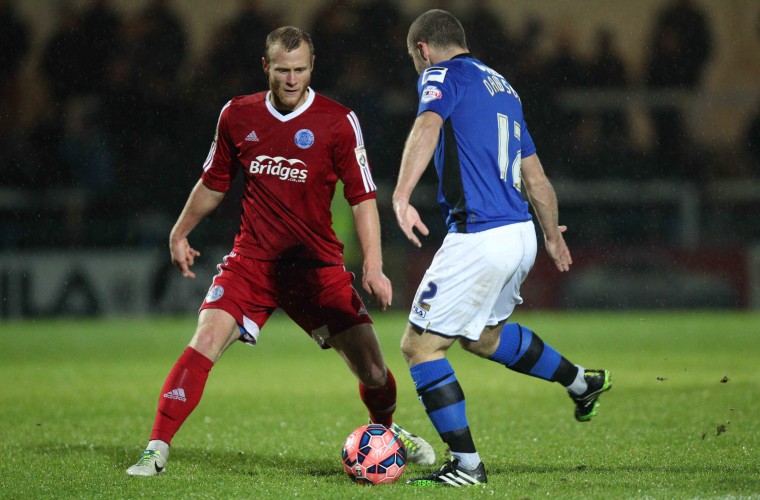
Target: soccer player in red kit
column 292, row 146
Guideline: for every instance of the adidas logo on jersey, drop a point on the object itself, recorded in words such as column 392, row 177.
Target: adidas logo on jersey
column 252, row 137
column 178, row 394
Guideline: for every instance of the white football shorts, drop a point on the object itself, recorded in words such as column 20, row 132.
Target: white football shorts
column 474, row 280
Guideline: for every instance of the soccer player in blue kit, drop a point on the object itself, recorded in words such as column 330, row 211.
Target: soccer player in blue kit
column 470, row 120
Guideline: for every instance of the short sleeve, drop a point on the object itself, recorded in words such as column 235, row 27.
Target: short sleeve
column 527, row 148
column 218, row 169
column 437, row 91
column 351, row 161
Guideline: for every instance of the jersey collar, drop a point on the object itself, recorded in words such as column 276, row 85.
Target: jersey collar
column 293, row 114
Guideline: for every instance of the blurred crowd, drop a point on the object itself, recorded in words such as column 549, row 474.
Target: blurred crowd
column 129, row 114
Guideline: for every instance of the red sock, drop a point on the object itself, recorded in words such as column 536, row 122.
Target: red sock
column 380, row 401
column 181, row 393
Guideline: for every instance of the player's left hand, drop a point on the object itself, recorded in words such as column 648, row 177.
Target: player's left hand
column 378, row 284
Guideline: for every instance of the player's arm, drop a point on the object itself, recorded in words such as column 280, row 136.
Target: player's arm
column 201, row 202
column 367, row 224
column 544, row 201
column 418, row 150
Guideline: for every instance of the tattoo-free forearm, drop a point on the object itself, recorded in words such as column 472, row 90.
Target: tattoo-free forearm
column 418, row 150
column 367, row 225
column 541, row 196
column 201, row 202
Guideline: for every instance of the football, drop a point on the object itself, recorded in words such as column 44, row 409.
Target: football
column 373, row 454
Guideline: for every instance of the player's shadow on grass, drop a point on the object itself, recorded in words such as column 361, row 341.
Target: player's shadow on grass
column 212, row 461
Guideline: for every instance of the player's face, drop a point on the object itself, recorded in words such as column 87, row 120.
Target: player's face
column 289, row 76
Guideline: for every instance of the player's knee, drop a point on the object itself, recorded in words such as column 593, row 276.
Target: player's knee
column 418, row 347
column 375, row 375
column 485, row 345
column 407, row 348
column 473, row 347
column 213, row 337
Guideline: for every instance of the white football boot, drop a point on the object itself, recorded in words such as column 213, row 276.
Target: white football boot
column 151, row 463
column 418, row 451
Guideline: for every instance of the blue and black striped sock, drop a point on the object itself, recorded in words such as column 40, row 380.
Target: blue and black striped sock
column 523, row 351
column 443, row 399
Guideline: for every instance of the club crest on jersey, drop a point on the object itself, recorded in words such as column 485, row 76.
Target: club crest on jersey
column 434, row 74
column 304, row 138
column 431, row 93
column 214, row 293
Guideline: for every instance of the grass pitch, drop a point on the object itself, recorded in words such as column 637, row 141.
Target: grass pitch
column 77, row 400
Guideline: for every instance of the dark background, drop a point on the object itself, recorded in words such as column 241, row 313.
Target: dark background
column 107, row 111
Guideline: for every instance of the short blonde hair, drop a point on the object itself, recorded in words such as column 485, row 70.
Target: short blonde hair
column 289, row 38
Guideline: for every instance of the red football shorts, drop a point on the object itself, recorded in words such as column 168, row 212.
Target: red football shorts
column 318, row 297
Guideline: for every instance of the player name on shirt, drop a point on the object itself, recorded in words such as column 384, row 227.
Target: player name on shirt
column 494, row 82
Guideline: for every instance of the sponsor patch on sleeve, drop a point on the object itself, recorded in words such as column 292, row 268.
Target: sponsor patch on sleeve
column 431, row 93
column 361, row 156
column 434, row 74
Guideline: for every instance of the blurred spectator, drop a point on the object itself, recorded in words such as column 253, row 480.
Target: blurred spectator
column 752, row 136
column 233, row 63
column 17, row 166
column 682, row 45
column 99, row 28
column 565, row 70
column 14, row 44
column 246, row 32
column 162, row 118
column 85, row 149
column 62, row 63
column 160, row 45
column 607, row 71
column 86, row 152
column 123, row 111
column 487, row 36
column 680, row 50
column 337, row 33
column 62, row 68
column 382, row 23
column 753, row 144
column 527, row 75
column 76, row 56
column 358, row 86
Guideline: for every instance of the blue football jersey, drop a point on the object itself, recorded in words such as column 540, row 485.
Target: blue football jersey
column 481, row 144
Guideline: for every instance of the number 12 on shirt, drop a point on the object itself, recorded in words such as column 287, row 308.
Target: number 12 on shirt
column 503, row 122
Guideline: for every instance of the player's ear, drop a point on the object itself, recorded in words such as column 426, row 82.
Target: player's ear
column 423, row 49
column 312, row 63
column 264, row 65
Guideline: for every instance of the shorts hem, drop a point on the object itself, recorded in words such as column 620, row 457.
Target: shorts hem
column 441, row 334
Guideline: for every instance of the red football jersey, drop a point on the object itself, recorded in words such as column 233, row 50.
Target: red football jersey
column 291, row 164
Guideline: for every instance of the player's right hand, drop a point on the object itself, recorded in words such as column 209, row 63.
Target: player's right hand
column 558, row 251
column 183, row 256
column 408, row 219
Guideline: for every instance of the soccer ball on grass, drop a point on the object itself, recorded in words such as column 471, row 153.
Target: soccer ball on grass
column 373, row 454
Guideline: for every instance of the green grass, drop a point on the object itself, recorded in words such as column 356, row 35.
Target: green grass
column 77, row 400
